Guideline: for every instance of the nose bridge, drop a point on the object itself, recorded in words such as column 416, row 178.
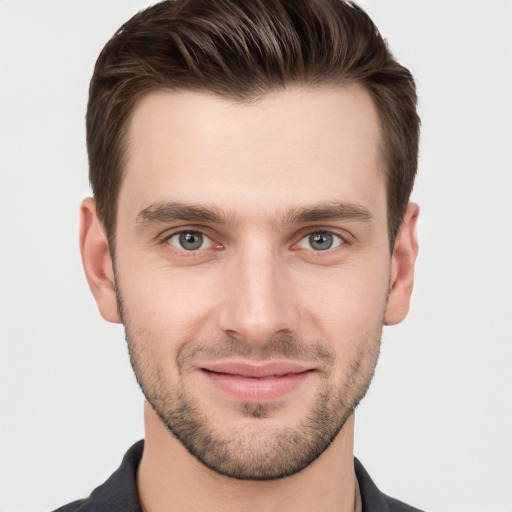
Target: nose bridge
column 257, row 302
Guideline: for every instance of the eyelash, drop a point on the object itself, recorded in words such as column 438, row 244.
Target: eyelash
column 191, row 253
column 337, row 241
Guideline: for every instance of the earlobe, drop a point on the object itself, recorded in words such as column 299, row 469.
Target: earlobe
column 402, row 268
column 97, row 261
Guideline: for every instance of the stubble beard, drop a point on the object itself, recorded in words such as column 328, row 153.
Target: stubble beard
column 265, row 452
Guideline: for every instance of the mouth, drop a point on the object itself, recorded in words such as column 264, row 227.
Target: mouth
column 256, row 383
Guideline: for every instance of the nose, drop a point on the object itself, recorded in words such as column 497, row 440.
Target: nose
column 258, row 300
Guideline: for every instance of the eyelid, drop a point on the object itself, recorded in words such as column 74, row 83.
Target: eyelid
column 339, row 240
column 205, row 240
column 170, row 232
column 164, row 238
column 346, row 236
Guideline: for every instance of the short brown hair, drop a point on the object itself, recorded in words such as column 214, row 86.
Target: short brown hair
column 241, row 49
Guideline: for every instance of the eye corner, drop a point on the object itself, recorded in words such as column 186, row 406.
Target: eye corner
column 320, row 241
column 189, row 241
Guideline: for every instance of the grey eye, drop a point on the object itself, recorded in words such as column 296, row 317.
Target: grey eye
column 320, row 241
column 190, row 241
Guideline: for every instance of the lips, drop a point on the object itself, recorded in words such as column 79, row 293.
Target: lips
column 256, row 383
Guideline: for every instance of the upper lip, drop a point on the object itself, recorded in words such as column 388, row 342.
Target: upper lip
column 245, row 369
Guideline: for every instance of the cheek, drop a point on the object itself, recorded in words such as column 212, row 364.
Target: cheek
column 165, row 300
column 162, row 314
column 350, row 297
column 176, row 305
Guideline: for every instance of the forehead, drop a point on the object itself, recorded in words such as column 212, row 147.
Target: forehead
column 290, row 148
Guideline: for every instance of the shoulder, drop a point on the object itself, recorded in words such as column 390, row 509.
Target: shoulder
column 75, row 506
column 118, row 493
column 373, row 500
column 399, row 506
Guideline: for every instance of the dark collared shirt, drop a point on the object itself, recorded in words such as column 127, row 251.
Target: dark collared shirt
column 119, row 492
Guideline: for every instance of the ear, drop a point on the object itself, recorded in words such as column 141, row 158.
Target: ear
column 402, row 268
column 97, row 261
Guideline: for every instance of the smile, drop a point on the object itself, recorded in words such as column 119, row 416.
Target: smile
column 256, row 383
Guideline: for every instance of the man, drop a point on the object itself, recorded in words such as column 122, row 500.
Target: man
column 251, row 163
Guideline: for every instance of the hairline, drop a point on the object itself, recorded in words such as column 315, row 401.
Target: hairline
column 124, row 140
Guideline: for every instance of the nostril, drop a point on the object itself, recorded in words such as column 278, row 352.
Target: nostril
column 235, row 336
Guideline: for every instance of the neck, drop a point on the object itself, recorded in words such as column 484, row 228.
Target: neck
column 170, row 477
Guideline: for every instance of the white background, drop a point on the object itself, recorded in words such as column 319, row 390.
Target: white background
column 436, row 427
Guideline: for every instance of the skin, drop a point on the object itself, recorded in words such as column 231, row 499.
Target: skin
column 257, row 166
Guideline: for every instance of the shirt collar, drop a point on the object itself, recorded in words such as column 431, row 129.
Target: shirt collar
column 119, row 492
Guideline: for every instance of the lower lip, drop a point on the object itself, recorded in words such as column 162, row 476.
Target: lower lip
column 251, row 389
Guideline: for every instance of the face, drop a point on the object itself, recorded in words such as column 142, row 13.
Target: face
column 253, row 270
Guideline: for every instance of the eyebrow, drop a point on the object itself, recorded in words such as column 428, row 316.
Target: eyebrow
column 328, row 211
column 172, row 211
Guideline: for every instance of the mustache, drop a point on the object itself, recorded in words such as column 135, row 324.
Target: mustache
column 284, row 346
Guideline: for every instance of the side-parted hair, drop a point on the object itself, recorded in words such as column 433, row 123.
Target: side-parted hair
column 241, row 50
